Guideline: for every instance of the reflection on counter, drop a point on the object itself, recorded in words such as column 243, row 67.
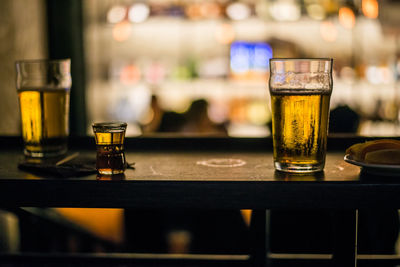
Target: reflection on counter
column 299, row 177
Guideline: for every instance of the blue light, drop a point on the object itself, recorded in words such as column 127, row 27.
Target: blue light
column 240, row 57
column 246, row 56
column 262, row 55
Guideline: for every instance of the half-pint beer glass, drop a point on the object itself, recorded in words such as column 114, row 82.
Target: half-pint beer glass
column 300, row 92
column 44, row 90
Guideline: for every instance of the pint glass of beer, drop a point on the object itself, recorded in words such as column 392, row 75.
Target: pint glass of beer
column 44, row 90
column 109, row 137
column 300, row 92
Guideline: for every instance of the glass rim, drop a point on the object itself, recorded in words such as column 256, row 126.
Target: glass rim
column 301, row 59
column 110, row 124
column 42, row 60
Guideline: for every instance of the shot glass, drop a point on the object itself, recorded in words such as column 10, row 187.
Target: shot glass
column 300, row 92
column 43, row 88
column 109, row 137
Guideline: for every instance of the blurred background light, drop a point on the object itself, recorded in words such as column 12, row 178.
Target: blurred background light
column 210, row 10
column 328, row 31
column 370, row 8
column 130, row 74
column 346, row 17
column 258, row 112
column 285, row 10
column 193, row 11
column 261, row 55
column 121, row 31
column 218, row 111
column 224, row 34
column 379, row 74
column 238, row 11
column 155, row 73
column 347, row 74
column 215, row 67
column 132, row 104
column 240, row 57
column 138, row 12
column 316, row 11
column 116, row 14
column 247, row 56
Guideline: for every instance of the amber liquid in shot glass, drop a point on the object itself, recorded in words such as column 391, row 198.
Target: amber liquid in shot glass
column 110, row 157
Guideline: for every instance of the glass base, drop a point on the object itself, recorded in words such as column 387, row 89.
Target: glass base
column 44, row 154
column 299, row 168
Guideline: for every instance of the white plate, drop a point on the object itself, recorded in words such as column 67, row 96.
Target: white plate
column 374, row 168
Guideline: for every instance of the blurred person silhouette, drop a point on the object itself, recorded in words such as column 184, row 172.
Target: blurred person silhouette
column 162, row 121
column 155, row 113
column 195, row 120
column 198, row 121
column 343, row 119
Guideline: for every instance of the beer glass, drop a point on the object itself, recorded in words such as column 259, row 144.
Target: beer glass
column 300, row 92
column 109, row 137
column 43, row 88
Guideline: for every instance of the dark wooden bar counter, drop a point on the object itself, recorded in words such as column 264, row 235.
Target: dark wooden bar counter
column 206, row 173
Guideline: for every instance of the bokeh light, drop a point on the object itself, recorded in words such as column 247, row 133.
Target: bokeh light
column 246, row 56
column 210, row 10
column 285, row 10
column 316, row 11
column 225, row 34
column 240, row 57
column 346, row 17
column 328, row 31
column 130, row 75
column 138, row 12
column 258, row 112
column 155, row 73
column 379, row 74
column 193, row 11
column 370, row 8
column 121, row 31
column 238, row 11
column 116, row 14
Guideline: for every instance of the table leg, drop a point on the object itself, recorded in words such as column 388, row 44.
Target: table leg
column 258, row 238
column 345, row 228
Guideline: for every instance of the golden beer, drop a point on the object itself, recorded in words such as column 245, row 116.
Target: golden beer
column 300, row 90
column 44, row 117
column 43, row 87
column 300, row 127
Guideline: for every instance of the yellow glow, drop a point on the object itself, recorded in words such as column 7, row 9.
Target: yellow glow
column 106, row 223
column 347, row 18
column 121, row 31
column 225, row 34
column 370, row 8
column 32, row 116
column 328, row 31
column 246, row 215
column 316, row 11
column 258, row 113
